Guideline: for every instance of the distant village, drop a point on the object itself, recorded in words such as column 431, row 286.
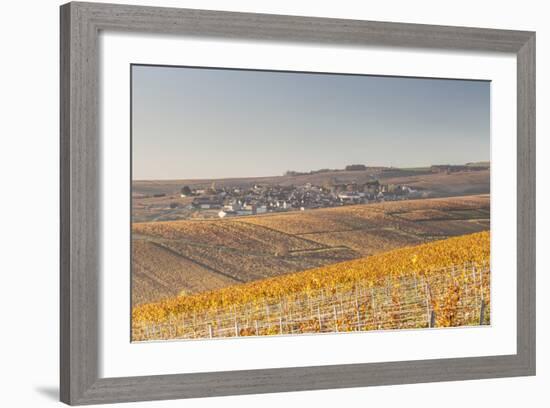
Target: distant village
column 238, row 200
column 228, row 201
column 275, row 198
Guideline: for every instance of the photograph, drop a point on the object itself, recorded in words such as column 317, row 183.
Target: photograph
column 269, row 203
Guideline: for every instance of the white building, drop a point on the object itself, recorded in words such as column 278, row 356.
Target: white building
column 350, row 196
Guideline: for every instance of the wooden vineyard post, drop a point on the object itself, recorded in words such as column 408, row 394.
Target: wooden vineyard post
column 319, row 317
column 335, row 318
column 358, row 314
column 236, row 323
column 374, row 324
column 432, row 318
column 210, row 330
column 281, row 325
column 428, row 310
column 482, row 312
column 481, row 284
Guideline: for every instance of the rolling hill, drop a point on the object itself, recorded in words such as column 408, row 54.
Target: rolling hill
column 419, row 178
column 169, row 258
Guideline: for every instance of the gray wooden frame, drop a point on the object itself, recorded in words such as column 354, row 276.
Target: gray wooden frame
column 80, row 234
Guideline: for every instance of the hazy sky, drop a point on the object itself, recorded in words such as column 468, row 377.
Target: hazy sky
column 215, row 123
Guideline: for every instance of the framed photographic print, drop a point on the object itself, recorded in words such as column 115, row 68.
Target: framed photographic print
column 262, row 203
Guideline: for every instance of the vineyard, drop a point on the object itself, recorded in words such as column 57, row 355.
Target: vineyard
column 440, row 284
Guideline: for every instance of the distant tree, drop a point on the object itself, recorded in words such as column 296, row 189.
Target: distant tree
column 174, row 205
column 356, row 167
column 185, row 190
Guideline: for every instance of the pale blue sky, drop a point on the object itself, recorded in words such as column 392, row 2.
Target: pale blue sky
column 217, row 123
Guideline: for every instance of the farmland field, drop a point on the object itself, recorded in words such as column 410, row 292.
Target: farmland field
column 192, row 256
column 441, row 184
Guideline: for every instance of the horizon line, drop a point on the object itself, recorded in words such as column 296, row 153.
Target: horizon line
column 310, row 174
